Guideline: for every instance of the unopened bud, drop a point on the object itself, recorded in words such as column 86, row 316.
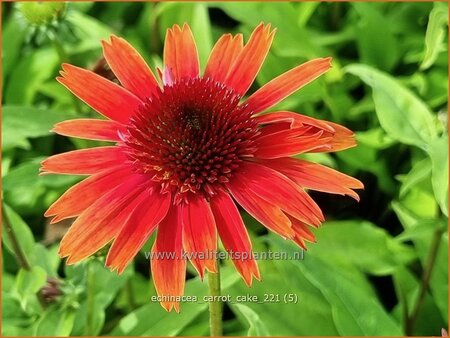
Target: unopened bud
column 42, row 13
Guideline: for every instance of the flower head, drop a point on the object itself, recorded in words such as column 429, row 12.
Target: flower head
column 187, row 150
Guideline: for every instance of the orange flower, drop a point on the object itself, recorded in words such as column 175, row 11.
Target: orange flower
column 186, row 149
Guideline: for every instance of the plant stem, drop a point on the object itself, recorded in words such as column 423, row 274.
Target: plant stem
column 90, row 281
column 425, row 281
column 215, row 305
column 130, row 294
column 20, row 256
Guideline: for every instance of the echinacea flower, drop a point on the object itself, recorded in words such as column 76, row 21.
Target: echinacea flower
column 186, row 150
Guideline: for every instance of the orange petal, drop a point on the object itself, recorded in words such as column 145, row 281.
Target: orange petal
column 316, row 177
column 279, row 190
column 249, row 61
column 82, row 195
column 234, row 236
column 180, row 53
column 302, row 233
column 269, row 215
column 199, row 235
column 281, row 125
column 289, row 142
column 91, row 129
column 130, row 68
column 84, row 161
column 284, row 85
column 167, row 263
column 104, row 96
column 296, row 120
column 101, row 222
column 151, row 208
column 343, row 138
column 222, row 56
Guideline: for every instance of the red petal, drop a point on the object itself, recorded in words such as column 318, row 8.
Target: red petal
column 168, row 264
column 284, row 85
column 234, row 236
column 82, row 195
column 289, row 142
column 279, row 190
column 91, row 129
column 151, row 209
column 199, row 235
column 316, row 177
column 130, row 68
column 281, row 125
column 84, row 161
column 104, row 96
column 101, row 222
column 222, row 56
column 271, row 216
column 248, row 63
column 180, row 53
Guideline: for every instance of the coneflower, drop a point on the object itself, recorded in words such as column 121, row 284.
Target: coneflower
column 187, row 148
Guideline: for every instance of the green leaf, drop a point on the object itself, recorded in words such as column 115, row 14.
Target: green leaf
column 361, row 244
column 401, row 114
column 198, row 327
column 305, row 11
column 35, row 70
column 56, row 322
column 355, row 308
column 376, row 42
column 257, row 328
column 435, row 35
column 438, row 152
column 439, row 277
column 421, row 201
column 419, row 172
column 375, row 138
column 368, row 159
column 105, row 286
column 13, row 313
column 46, row 258
column 89, row 31
column 354, row 311
column 281, row 318
column 25, row 175
column 12, row 38
column 291, row 39
column 407, row 289
column 152, row 320
column 201, row 29
column 19, row 123
column 30, row 282
column 21, row 231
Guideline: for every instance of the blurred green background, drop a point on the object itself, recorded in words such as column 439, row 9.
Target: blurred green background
column 380, row 267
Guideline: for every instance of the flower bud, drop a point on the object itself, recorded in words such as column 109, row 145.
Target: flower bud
column 42, row 13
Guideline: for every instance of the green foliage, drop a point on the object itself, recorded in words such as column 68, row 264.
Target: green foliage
column 401, row 114
column 22, row 232
column 389, row 83
column 434, row 39
column 256, row 325
column 39, row 123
